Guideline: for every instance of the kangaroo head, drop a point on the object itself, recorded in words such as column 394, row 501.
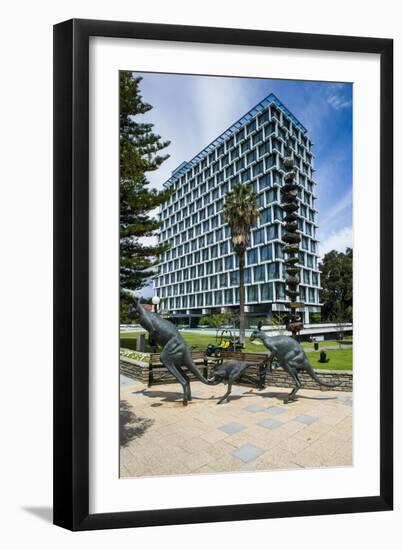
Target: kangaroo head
column 133, row 310
column 257, row 333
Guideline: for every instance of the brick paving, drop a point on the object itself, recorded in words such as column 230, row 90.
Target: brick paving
column 254, row 431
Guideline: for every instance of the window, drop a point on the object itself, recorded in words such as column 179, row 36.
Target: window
column 230, row 143
column 240, row 164
column 245, row 146
column 252, row 256
column 248, row 275
column 229, row 262
column 258, row 236
column 278, row 213
column 311, row 294
column 257, row 137
column 271, row 195
column 266, row 291
column 264, row 117
column 228, row 296
column 251, row 127
column 240, row 135
column 266, row 253
column 208, row 298
column 265, row 216
column 280, row 291
column 264, row 148
column 270, row 161
column 273, row 271
column 278, row 249
column 229, row 171
column 234, row 278
column 218, row 297
column 209, row 268
column 253, row 294
column 223, row 280
column 258, row 168
column 245, row 175
column 196, row 285
column 218, row 265
column 264, row 182
column 213, row 282
column 234, row 153
column 250, row 157
column 259, row 273
column 272, row 232
column 224, row 248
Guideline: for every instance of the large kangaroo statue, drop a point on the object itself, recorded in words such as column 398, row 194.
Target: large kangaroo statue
column 175, row 353
column 290, row 356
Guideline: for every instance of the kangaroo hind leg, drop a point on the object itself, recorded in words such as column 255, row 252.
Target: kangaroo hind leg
column 168, row 357
column 293, row 373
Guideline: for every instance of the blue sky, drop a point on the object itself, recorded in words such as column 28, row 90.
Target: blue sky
column 191, row 111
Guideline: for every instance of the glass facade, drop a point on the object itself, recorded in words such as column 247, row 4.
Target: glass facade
column 201, row 253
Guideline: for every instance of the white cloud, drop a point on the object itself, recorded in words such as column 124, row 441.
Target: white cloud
column 338, row 240
column 338, row 102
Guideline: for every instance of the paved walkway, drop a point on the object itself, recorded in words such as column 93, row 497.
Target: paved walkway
column 254, row 431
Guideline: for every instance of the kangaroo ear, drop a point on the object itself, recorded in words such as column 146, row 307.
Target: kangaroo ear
column 259, row 325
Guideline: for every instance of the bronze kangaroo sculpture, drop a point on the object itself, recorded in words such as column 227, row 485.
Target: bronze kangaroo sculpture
column 290, row 356
column 175, row 354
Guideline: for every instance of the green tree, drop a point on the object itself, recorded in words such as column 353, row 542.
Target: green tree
column 139, row 148
column 337, row 286
column 241, row 212
column 216, row 320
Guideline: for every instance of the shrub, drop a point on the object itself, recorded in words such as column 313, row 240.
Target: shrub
column 216, row 320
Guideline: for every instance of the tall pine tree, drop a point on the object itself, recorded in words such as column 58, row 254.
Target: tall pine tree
column 139, row 148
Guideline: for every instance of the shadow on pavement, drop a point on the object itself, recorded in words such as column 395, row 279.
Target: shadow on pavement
column 131, row 426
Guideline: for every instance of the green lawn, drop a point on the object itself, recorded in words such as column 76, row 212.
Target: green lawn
column 339, row 359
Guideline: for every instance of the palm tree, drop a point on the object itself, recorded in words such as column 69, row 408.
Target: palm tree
column 241, row 212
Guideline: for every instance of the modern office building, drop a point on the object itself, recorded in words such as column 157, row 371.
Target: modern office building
column 199, row 273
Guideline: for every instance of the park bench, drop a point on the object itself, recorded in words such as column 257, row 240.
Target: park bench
column 159, row 374
column 257, row 366
column 255, row 376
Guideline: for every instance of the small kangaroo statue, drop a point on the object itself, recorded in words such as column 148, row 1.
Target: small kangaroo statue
column 175, row 354
column 290, row 356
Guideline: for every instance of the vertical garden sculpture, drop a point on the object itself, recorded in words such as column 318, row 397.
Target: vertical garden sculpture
column 291, row 242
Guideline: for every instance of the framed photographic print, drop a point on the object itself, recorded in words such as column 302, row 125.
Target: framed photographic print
column 223, row 318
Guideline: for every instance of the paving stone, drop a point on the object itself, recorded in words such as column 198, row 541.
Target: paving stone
column 270, row 423
column 275, row 410
column 254, row 408
column 306, row 419
column 247, row 453
column 206, row 438
column 232, row 428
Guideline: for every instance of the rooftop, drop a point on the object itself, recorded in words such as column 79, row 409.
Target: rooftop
column 271, row 98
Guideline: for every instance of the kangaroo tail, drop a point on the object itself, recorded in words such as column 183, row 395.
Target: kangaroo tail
column 321, row 382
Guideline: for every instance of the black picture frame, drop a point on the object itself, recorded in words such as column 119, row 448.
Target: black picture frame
column 71, row 274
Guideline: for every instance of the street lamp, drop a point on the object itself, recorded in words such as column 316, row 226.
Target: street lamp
column 155, row 300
